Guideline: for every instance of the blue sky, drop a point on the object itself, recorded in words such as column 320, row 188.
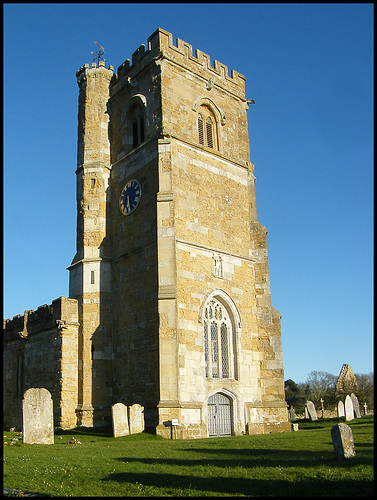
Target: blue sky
column 309, row 68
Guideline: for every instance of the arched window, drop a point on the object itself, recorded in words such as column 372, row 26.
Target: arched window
column 134, row 123
column 219, row 340
column 207, row 128
column 137, row 120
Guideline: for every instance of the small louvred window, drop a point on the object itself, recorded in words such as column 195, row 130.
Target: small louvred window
column 200, row 129
column 209, row 132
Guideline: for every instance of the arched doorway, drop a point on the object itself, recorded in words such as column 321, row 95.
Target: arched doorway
column 219, row 415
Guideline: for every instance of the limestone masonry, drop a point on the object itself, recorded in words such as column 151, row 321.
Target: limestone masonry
column 169, row 299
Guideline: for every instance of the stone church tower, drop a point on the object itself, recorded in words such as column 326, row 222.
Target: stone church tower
column 170, row 278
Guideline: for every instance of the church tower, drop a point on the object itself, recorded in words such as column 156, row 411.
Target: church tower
column 171, row 269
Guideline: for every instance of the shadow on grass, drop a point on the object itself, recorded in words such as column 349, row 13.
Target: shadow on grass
column 256, row 458
column 243, row 486
column 86, row 431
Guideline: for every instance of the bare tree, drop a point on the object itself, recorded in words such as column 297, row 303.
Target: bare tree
column 321, row 385
column 365, row 391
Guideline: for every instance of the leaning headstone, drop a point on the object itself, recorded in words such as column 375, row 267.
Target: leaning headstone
column 342, row 440
column 37, row 417
column 120, row 420
column 136, row 418
column 341, row 409
column 356, row 406
column 311, row 410
column 348, row 408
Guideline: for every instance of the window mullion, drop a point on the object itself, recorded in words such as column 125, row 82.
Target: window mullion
column 220, row 349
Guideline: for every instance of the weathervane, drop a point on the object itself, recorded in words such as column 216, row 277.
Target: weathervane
column 98, row 55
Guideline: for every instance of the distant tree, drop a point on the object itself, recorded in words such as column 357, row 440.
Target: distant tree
column 295, row 395
column 322, row 385
column 365, row 392
column 291, row 389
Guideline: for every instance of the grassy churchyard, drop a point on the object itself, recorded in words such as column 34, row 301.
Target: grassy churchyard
column 95, row 464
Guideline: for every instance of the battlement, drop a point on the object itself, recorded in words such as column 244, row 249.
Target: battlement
column 62, row 311
column 82, row 73
column 160, row 45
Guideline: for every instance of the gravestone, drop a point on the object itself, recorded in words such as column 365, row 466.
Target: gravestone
column 356, row 406
column 322, row 407
column 136, row 418
column 311, row 410
column 119, row 415
column 37, row 417
column 348, row 407
column 341, row 409
column 291, row 413
column 365, row 409
column 342, row 440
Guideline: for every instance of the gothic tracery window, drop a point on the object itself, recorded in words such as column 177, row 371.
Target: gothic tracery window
column 218, row 341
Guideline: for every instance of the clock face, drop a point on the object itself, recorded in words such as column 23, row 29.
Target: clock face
column 130, row 197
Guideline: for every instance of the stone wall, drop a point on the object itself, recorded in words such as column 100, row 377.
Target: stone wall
column 40, row 351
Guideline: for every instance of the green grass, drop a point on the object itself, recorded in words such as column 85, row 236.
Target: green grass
column 289, row 464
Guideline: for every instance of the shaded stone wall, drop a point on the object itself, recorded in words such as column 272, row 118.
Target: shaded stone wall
column 40, row 351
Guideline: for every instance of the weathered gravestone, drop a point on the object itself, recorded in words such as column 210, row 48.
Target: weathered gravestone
column 136, row 418
column 356, row 406
column 119, row 415
column 342, row 440
column 341, row 409
column 348, row 407
column 312, row 411
column 37, row 417
column 291, row 413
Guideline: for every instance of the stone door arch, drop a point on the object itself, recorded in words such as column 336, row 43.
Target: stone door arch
column 220, row 415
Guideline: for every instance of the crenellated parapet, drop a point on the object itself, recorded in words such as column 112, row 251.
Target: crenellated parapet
column 160, row 46
column 85, row 71
column 61, row 312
